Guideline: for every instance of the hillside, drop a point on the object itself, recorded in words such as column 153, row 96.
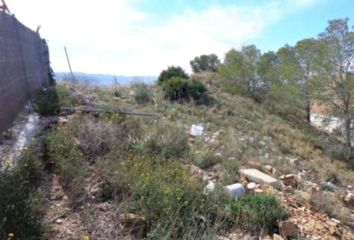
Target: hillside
column 107, row 175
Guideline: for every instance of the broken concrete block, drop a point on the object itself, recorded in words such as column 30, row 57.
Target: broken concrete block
column 235, row 190
column 259, row 177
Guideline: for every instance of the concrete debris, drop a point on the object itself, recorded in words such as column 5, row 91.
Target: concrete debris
column 259, row 177
column 236, row 190
column 196, row 130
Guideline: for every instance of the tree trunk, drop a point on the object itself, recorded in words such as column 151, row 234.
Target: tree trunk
column 348, row 144
column 308, row 111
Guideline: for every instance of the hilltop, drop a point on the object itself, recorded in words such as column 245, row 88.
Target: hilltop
column 109, row 175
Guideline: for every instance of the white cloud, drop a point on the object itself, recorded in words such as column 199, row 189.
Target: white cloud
column 112, row 36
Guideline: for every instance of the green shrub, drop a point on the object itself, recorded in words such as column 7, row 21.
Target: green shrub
column 143, row 94
column 64, row 154
column 181, row 89
column 97, row 137
column 174, row 204
column 207, row 160
column 170, row 73
column 20, row 200
column 49, row 101
column 257, row 213
column 167, row 141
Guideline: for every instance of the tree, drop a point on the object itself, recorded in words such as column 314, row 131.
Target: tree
column 205, row 63
column 171, row 72
column 339, row 69
column 308, row 54
column 240, row 71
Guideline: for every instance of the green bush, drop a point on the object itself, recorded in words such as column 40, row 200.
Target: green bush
column 207, row 160
column 49, row 101
column 64, row 154
column 257, row 213
column 166, row 141
column 170, row 73
column 181, row 89
column 20, row 200
column 143, row 94
column 174, row 204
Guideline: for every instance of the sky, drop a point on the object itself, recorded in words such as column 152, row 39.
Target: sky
column 143, row 37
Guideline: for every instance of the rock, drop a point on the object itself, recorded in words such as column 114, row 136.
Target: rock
column 268, row 168
column 131, row 219
column 222, row 238
column 289, row 180
column 210, row 187
column 277, row 237
column 59, row 221
column 288, row 229
column 260, row 177
column 196, row 130
column 267, row 238
column 258, row 190
column 251, row 186
column 235, row 190
column 62, row 120
column 303, row 197
column 349, row 199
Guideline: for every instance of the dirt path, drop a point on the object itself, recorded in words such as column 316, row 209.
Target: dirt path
column 63, row 222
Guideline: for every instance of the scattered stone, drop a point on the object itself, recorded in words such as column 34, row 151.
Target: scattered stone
column 268, row 168
column 258, row 191
column 251, row 186
column 59, row 221
column 260, row 177
column 236, row 190
column 288, row 229
column 349, row 199
column 277, row 237
column 210, row 187
column 303, row 197
column 222, row 238
column 62, row 120
column 289, row 180
column 131, row 219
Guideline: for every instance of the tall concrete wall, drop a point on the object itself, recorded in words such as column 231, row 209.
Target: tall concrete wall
column 24, row 67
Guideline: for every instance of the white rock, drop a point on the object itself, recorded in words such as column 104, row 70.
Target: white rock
column 210, row 187
column 260, row 177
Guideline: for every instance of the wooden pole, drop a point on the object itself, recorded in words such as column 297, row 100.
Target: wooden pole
column 4, row 7
column 67, row 59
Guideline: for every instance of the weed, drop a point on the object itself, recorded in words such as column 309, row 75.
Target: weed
column 258, row 213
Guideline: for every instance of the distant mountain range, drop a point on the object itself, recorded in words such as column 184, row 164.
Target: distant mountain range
column 104, row 79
